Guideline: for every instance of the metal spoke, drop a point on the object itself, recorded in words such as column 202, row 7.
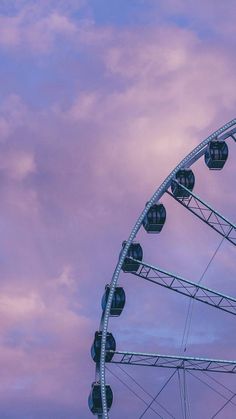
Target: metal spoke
column 170, row 361
column 188, row 288
column 211, row 387
column 159, row 392
column 145, row 391
column 224, row 405
column 207, row 214
column 191, row 302
column 134, row 392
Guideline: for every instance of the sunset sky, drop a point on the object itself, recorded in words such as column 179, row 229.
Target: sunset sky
column 99, row 100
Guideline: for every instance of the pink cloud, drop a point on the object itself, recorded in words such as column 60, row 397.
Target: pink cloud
column 18, row 165
column 34, row 31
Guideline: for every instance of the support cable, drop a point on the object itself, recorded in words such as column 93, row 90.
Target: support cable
column 189, row 408
column 219, row 383
column 224, row 405
column 185, row 394
column 132, row 391
column 212, row 388
column 189, row 316
column 159, row 392
column 145, row 391
column 181, row 394
column 187, row 398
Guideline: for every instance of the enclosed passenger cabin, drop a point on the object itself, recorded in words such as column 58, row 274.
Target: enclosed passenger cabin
column 118, row 300
column 135, row 251
column 95, row 398
column 216, row 154
column 184, row 177
column 155, row 219
column 96, row 346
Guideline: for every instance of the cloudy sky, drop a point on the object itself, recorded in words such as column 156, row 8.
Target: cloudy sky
column 99, row 100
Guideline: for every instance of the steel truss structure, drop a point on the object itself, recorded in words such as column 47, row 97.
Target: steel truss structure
column 179, row 362
column 188, row 288
column 207, row 214
column 215, row 221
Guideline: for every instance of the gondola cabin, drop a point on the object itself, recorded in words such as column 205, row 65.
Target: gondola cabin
column 95, row 398
column 135, row 251
column 96, row 346
column 118, row 301
column 184, row 177
column 155, row 219
column 216, row 155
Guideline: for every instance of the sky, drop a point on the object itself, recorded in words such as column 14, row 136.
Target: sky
column 99, row 101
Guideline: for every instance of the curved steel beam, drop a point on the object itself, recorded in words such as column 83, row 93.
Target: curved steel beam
column 185, row 287
column 231, row 133
column 207, row 214
column 170, row 361
column 186, row 162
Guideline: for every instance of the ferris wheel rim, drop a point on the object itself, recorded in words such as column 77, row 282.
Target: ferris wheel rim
column 186, row 162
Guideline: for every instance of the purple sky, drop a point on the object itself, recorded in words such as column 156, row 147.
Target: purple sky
column 99, row 100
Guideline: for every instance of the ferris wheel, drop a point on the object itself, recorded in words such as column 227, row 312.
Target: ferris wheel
column 179, row 185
